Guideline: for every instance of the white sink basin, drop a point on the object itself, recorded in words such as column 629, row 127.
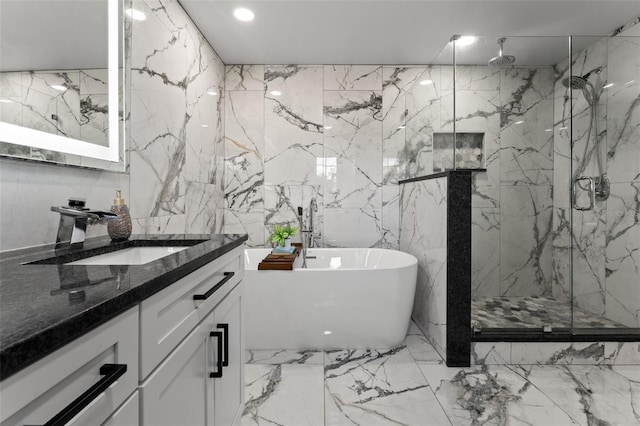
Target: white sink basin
column 129, row 256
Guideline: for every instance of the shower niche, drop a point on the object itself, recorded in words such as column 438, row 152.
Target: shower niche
column 469, row 152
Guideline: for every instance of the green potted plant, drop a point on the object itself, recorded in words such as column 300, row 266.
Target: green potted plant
column 282, row 235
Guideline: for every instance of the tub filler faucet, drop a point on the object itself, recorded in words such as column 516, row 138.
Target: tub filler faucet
column 74, row 219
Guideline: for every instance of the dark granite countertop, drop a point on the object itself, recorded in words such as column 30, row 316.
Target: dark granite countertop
column 46, row 305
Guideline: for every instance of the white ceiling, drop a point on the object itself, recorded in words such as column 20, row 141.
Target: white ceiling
column 398, row 31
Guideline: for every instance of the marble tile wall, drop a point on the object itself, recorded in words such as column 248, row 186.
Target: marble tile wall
column 427, row 241
column 294, row 133
column 512, row 200
column 176, row 149
column 605, row 240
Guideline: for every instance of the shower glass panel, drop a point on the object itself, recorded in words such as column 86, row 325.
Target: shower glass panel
column 602, row 231
column 505, row 96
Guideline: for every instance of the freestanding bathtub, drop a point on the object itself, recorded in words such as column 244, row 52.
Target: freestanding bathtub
column 345, row 299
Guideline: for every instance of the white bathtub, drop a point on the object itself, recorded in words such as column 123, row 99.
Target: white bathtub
column 345, row 299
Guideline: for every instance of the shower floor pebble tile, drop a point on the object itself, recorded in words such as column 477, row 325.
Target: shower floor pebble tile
column 408, row 386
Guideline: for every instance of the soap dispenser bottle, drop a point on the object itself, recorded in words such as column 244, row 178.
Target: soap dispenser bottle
column 119, row 228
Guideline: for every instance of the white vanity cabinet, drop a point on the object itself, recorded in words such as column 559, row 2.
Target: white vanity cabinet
column 192, row 348
column 45, row 391
column 176, row 358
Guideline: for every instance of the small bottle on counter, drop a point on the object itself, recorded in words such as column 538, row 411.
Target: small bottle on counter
column 119, row 228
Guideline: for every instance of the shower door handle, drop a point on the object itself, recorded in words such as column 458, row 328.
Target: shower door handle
column 591, row 189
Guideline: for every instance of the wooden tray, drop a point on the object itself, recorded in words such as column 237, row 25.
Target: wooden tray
column 280, row 261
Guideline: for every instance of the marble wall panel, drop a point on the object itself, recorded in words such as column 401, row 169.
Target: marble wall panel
column 244, row 150
column 352, row 77
column 622, row 251
column 623, row 109
column 396, row 82
column 424, row 114
column 525, row 244
column 293, row 125
column 485, row 252
column 426, row 240
column 158, row 111
column 352, row 139
column 244, row 77
column 352, row 228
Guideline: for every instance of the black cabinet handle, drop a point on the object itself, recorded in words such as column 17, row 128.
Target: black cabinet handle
column 227, row 277
column 218, row 372
column 225, row 357
column 111, row 373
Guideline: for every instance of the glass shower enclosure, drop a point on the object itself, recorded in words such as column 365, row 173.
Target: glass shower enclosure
column 554, row 124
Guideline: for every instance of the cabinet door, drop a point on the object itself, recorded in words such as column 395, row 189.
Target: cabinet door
column 127, row 415
column 176, row 392
column 229, row 389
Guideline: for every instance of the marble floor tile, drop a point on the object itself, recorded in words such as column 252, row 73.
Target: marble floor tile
column 593, row 394
column 422, row 351
column 492, row 395
column 283, row 356
column 283, row 395
column 409, row 386
column 378, row 387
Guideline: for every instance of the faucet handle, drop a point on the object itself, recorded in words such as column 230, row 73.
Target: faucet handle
column 77, row 203
column 299, row 211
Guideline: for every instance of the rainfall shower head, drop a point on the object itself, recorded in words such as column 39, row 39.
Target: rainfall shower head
column 501, row 60
column 575, row 82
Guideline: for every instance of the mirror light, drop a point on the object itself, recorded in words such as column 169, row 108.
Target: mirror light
column 19, row 135
column 212, row 92
column 426, row 82
column 136, row 14
column 276, row 93
column 59, row 87
column 243, row 14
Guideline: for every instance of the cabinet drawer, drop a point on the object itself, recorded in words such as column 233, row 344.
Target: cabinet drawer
column 47, row 388
column 168, row 316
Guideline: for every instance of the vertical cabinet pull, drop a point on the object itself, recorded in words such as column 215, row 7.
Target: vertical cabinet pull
column 223, row 349
column 218, row 372
column 111, row 373
column 225, row 357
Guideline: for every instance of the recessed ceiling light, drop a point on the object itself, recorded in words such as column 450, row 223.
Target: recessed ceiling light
column 244, row 14
column 204, row 125
column 59, row 87
column 275, row 93
column 328, row 127
column 6, row 101
column 426, row 82
column 465, row 40
column 212, row 93
column 606, row 86
column 136, row 14
column 327, row 332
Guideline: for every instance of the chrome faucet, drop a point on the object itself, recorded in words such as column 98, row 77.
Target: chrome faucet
column 74, row 218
